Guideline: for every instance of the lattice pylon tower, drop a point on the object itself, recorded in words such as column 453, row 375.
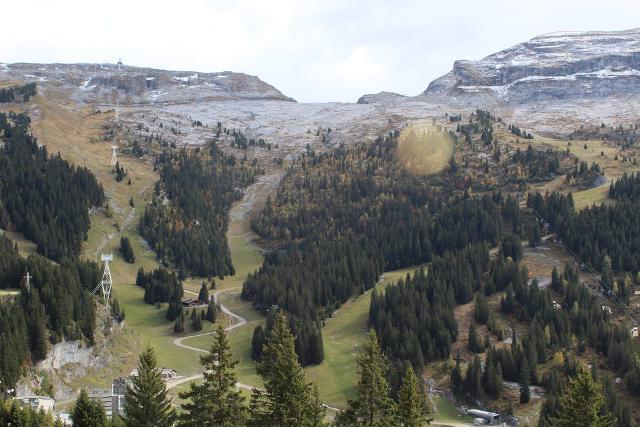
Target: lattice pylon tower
column 114, row 157
column 106, row 283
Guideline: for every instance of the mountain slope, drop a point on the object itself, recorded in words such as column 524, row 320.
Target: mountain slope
column 98, row 83
column 553, row 66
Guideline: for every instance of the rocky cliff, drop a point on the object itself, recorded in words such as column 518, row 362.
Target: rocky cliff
column 103, row 83
column 557, row 66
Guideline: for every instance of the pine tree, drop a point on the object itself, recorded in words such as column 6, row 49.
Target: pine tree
column 196, row 321
column 582, row 403
column 257, row 342
column 87, row 412
column 212, row 312
column 178, row 327
column 373, row 406
column 127, row 250
column 287, row 399
column 146, row 402
column 525, row 394
column 203, row 296
column 456, row 376
column 473, row 380
column 481, row 309
column 215, row 402
column 474, row 344
column 412, row 407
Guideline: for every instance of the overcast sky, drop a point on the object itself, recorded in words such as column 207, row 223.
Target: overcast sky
column 334, row 50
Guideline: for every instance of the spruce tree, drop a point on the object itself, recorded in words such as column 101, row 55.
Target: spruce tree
column 127, row 250
column 456, row 376
column 582, row 403
column 178, row 327
column 87, row 412
column 257, row 342
column 196, row 321
column 373, row 406
column 203, row 296
column 146, row 402
column 481, row 309
column 287, row 399
column 412, row 407
column 525, row 394
column 474, row 344
column 212, row 312
column 215, row 402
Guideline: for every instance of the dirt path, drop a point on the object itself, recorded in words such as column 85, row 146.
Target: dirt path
column 236, row 322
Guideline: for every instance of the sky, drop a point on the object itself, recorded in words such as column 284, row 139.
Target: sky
column 313, row 51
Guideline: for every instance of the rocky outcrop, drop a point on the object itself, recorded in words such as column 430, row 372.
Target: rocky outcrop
column 103, row 83
column 557, row 66
column 383, row 96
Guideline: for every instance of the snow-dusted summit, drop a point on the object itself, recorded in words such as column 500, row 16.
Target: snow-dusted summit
column 102, row 83
column 556, row 66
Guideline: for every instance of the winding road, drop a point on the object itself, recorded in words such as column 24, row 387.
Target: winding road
column 236, row 322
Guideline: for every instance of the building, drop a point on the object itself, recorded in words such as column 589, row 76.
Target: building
column 168, row 374
column 192, row 302
column 165, row 373
column 488, row 417
column 112, row 403
column 119, row 386
column 44, row 403
column 634, row 331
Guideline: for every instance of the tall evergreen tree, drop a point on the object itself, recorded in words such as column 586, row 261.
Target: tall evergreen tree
column 215, row 402
column 474, row 343
column 412, row 407
column 87, row 412
column 287, row 399
column 456, row 376
column 203, row 296
column 525, row 394
column 212, row 312
column 582, row 403
column 146, row 402
column 127, row 250
column 373, row 406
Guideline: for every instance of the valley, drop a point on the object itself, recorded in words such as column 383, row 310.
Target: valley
column 481, row 236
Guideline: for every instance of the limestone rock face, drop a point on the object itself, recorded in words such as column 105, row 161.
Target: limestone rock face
column 102, row 83
column 556, row 66
column 384, row 96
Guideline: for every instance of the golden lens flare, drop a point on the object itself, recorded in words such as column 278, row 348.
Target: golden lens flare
column 424, row 148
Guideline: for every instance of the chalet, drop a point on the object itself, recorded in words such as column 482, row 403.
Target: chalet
column 191, row 303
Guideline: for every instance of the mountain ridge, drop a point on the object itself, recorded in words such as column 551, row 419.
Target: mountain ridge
column 559, row 65
column 99, row 83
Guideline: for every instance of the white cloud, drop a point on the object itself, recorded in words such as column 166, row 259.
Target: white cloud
column 312, row 50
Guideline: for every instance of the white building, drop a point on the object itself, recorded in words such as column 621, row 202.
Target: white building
column 38, row 402
column 111, row 403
